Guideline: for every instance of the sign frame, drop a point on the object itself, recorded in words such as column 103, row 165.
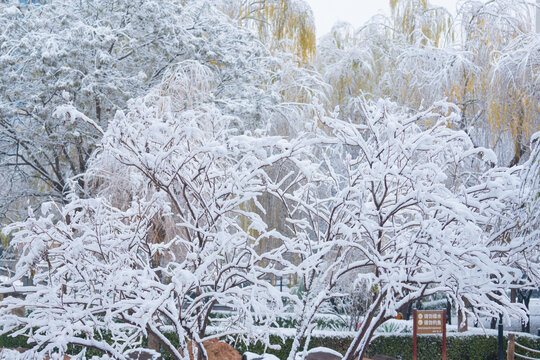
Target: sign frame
column 422, row 314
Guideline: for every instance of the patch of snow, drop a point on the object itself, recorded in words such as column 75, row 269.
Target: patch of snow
column 253, row 356
column 324, row 350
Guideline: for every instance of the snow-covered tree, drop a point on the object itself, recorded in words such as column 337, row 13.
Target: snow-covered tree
column 484, row 60
column 97, row 55
column 517, row 75
column 530, row 194
column 285, row 25
column 186, row 198
column 421, row 23
column 368, row 61
column 178, row 239
column 496, row 94
column 406, row 211
column 527, row 210
column 356, row 62
column 388, row 205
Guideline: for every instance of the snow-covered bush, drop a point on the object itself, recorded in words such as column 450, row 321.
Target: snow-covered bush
column 406, row 212
column 168, row 236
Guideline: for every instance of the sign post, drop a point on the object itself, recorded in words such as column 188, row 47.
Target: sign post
column 429, row 322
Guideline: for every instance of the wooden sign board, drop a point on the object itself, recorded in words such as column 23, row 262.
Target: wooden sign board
column 429, row 322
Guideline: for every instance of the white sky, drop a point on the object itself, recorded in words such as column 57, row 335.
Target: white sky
column 356, row 12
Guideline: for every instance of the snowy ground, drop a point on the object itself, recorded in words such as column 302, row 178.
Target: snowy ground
column 534, row 308
column 5, row 279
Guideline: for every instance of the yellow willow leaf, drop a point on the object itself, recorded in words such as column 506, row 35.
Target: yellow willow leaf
column 283, row 24
column 4, row 240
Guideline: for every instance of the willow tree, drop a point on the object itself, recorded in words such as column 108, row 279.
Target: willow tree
column 420, row 22
column 287, row 30
column 286, row 25
column 425, row 58
column 497, row 94
column 355, row 62
column 374, row 60
column 487, row 66
column 484, row 60
column 517, row 72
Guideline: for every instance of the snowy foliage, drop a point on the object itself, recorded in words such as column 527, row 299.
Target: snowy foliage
column 98, row 56
column 484, row 60
column 192, row 154
column 179, row 225
column 180, row 241
column 528, row 210
column 284, row 25
column 405, row 212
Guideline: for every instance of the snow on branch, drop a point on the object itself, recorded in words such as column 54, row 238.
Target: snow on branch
column 404, row 211
column 184, row 238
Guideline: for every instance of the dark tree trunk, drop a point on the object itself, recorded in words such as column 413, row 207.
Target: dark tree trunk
column 493, row 323
column 153, row 342
column 524, row 297
column 409, row 311
column 519, row 149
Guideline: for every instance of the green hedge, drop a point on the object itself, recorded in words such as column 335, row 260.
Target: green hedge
column 7, row 341
column 469, row 347
column 339, row 344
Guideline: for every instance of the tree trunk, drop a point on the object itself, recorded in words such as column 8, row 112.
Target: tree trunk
column 153, row 342
column 519, row 148
column 524, row 297
column 462, row 322
column 409, row 311
column 448, row 312
column 359, row 344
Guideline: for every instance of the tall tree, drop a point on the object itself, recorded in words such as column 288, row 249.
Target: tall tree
column 484, row 60
column 368, row 61
column 496, row 103
column 285, row 25
column 420, row 22
column 96, row 56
